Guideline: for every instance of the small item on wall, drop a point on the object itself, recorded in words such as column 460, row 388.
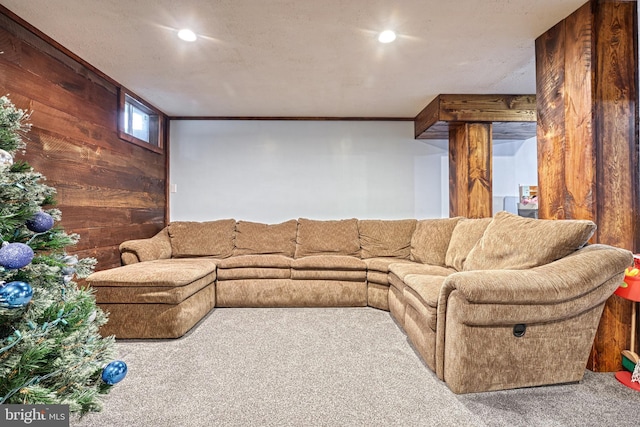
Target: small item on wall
column 528, row 203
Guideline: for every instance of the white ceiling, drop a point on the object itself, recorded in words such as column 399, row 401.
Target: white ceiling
column 302, row 58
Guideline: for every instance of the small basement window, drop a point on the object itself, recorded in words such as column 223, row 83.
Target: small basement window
column 139, row 123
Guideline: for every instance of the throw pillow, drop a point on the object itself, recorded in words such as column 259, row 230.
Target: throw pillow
column 514, row 242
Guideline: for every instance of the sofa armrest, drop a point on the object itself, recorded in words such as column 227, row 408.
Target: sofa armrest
column 562, row 280
column 561, row 289
column 140, row 250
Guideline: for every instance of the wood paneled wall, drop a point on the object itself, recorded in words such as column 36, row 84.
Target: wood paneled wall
column 587, row 77
column 109, row 190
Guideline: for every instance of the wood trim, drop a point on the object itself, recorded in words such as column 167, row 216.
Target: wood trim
column 428, row 117
column 293, row 118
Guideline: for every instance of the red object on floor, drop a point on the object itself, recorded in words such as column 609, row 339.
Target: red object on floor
column 625, row 378
column 632, row 291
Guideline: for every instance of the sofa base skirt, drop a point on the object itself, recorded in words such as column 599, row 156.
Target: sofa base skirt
column 158, row 320
column 378, row 296
column 290, row 293
column 397, row 304
column 421, row 336
column 487, row 358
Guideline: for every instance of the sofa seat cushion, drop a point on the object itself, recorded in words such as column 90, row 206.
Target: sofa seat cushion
column 260, row 261
column 425, row 288
column 342, row 275
column 378, row 269
column 403, row 269
column 329, row 262
column 327, row 238
column 421, row 292
column 329, row 267
column 162, row 272
column 381, row 264
column 169, row 281
column 386, row 238
column 255, row 267
column 258, row 238
column 254, row 273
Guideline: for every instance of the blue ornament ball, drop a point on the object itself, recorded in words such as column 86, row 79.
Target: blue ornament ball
column 15, row 255
column 114, row 372
column 15, row 294
column 40, row 222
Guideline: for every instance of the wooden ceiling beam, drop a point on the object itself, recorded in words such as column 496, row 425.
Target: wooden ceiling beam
column 514, row 116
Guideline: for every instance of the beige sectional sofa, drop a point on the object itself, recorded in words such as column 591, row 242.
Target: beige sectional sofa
column 489, row 304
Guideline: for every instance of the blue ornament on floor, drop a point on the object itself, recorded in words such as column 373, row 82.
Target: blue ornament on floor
column 15, row 294
column 40, row 222
column 114, row 372
column 15, row 255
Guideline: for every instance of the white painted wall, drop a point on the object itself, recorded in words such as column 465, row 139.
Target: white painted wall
column 526, row 163
column 514, row 163
column 271, row 171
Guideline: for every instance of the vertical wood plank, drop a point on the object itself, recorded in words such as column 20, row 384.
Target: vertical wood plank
column 580, row 147
column 550, row 72
column 616, row 134
column 458, row 170
column 587, row 76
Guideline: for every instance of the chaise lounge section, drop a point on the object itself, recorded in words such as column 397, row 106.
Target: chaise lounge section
column 487, row 303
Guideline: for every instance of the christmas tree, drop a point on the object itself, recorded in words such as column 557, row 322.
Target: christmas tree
column 50, row 348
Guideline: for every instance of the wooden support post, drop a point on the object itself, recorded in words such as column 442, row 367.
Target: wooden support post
column 470, row 161
column 472, row 122
column 587, row 95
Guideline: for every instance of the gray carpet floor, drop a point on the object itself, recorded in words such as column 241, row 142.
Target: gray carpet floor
column 326, row 367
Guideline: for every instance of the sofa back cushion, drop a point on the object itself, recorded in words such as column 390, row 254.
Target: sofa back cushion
column 430, row 240
column 254, row 238
column 211, row 238
column 386, row 238
column 464, row 237
column 338, row 237
column 514, row 242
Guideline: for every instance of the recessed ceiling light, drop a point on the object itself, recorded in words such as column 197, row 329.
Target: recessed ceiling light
column 387, row 36
column 187, row 35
